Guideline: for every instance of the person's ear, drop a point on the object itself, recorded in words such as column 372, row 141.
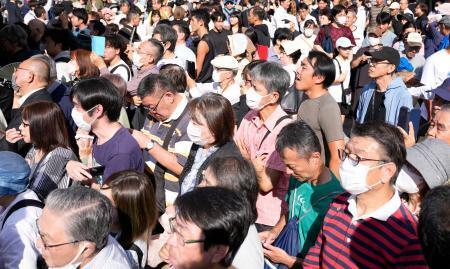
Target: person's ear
column 391, row 68
column 89, row 250
column 218, row 253
column 318, row 79
column 99, row 110
column 315, row 158
column 388, row 171
column 276, row 96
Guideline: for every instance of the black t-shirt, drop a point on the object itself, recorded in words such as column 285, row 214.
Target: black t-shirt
column 376, row 110
column 219, row 41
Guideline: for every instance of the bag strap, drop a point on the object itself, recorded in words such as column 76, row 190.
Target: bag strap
column 139, row 253
column 22, row 204
column 344, row 97
column 268, row 131
column 121, row 65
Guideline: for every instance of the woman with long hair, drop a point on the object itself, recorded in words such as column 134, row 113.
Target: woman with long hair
column 81, row 65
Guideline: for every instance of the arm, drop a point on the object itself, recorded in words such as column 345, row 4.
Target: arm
column 335, row 162
column 202, row 50
column 267, row 179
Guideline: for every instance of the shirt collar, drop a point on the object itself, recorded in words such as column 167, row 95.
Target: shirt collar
column 382, row 213
column 271, row 121
column 25, row 97
column 180, row 108
column 63, row 54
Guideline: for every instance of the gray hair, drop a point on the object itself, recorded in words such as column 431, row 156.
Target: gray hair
column 51, row 64
column 86, row 213
column 272, row 76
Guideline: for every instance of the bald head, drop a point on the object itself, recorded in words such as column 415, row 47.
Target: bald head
column 152, row 47
column 40, row 68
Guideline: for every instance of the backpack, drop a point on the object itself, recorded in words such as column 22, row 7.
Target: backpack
column 327, row 42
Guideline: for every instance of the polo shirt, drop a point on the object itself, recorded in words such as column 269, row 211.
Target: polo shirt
column 386, row 238
column 252, row 131
column 133, row 84
column 179, row 144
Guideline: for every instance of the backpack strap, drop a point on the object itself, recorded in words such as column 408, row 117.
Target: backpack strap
column 139, row 253
column 268, row 131
column 22, row 204
column 121, row 65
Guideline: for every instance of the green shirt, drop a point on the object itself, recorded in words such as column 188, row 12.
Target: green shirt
column 309, row 204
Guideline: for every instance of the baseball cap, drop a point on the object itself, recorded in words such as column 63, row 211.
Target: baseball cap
column 443, row 90
column 343, row 42
column 225, row 61
column 445, row 20
column 290, row 46
column 386, row 54
column 14, row 173
column 414, row 39
column 394, row 5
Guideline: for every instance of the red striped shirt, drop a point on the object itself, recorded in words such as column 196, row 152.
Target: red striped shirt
column 366, row 243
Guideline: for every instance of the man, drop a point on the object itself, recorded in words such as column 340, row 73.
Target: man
column 312, row 185
column 404, row 7
column 205, row 52
column 115, row 46
column 224, row 77
column 256, row 17
column 256, row 136
column 320, row 111
column 79, row 18
column 165, row 139
column 304, row 15
column 77, row 220
column 31, row 79
column 376, row 9
column 41, row 14
column 387, row 38
column 413, row 44
column 433, row 222
column 19, row 209
column 57, row 46
column 168, row 38
column 397, row 26
column 13, row 44
column 37, row 30
column 437, row 35
column 440, row 125
column 378, row 230
column 181, row 50
column 145, row 59
column 282, row 19
column 129, row 31
column 357, row 30
column 382, row 98
column 218, row 34
column 96, row 28
column 210, row 225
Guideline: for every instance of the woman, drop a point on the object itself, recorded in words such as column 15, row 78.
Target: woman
column 236, row 23
column 421, row 13
column 44, row 126
column 306, row 39
column 81, row 66
column 211, row 130
column 275, row 51
column 135, row 213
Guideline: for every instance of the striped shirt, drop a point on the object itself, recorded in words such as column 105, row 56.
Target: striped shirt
column 377, row 241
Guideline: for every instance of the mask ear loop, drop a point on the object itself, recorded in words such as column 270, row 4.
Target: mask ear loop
column 379, row 181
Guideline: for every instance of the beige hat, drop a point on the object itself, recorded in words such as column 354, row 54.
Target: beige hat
column 414, row 39
column 225, row 61
column 290, row 46
column 394, row 5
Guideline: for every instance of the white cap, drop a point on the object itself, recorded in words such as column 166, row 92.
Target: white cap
column 225, row 61
column 394, row 5
column 344, row 42
column 414, row 39
column 290, row 46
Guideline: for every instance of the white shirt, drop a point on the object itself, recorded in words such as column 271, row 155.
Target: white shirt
column 173, row 60
column 122, row 71
column 280, row 15
column 250, row 254
column 29, row 17
column 25, row 97
column 184, row 53
column 19, row 234
column 232, row 93
column 111, row 256
column 306, row 44
column 382, row 213
column 291, row 68
column 335, row 89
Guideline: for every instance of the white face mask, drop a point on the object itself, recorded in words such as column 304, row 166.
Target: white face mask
column 342, row 20
column 253, row 99
column 137, row 60
column 353, row 178
column 77, row 117
column 73, row 264
column 195, row 134
column 408, row 181
column 308, row 32
column 216, row 76
column 373, row 41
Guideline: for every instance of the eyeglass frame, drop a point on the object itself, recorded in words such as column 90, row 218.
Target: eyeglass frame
column 344, row 155
column 185, row 241
column 153, row 109
column 372, row 62
column 54, row 245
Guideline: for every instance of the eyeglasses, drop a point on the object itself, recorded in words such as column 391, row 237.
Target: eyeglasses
column 355, row 159
column 153, row 109
column 372, row 62
column 55, row 245
column 180, row 240
column 25, row 125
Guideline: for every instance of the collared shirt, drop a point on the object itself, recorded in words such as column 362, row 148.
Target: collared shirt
column 111, row 256
column 190, row 180
column 252, row 131
column 232, row 93
column 386, row 238
column 25, row 97
column 133, row 84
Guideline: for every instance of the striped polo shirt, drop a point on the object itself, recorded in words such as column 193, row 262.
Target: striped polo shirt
column 387, row 238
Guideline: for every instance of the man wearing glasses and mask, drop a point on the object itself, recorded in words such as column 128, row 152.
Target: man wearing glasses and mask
column 369, row 227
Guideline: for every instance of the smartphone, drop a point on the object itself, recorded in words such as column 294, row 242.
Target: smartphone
column 96, row 171
column 414, row 117
column 98, row 45
column 403, row 118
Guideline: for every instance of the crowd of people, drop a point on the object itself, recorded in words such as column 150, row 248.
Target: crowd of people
column 224, row 134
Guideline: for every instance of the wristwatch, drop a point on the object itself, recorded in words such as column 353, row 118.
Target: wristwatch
column 149, row 145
